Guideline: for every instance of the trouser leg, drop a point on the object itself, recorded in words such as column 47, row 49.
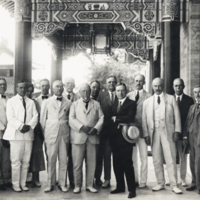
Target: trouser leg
column 25, row 161
column 129, row 169
column 143, row 159
column 78, row 155
column 99, row 161
column 70, row 165
column 169, row 152
column 107, row 160
column 16, row 149
column 135, row 162
column 90, row 163
column 52, row 152
column 118, row 169
column 158, row 157
column 192, row 164
column 62, row 156
column 197, row 166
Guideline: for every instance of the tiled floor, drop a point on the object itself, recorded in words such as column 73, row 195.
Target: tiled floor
column 103, row 194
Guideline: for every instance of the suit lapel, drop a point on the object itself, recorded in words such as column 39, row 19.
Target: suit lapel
column 3, row 104
column 90, row 106
column 142, row 96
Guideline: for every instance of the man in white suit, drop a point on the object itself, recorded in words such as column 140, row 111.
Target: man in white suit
column 85, row 120
column 68, row 93
column 54, row 122
column 161, row 125
column 5, row 164
column 22, row 118
column 139, row 95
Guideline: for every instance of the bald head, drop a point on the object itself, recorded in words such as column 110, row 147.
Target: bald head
column 158, row 85
column 58, row 87
column 69, row 84
column 85, row 91
column 178, row 86
column 139, row 81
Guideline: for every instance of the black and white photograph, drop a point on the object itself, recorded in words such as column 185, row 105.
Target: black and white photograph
column 99, row 99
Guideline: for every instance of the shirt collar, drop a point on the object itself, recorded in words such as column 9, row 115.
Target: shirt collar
column 161, row 95
column 1, row 96
column 140, row 91
column 122, row 100
column 20, row 97
column 111, row 92
column 67, row 93
column 56, row 96
column 84, row 100
column 181, row 96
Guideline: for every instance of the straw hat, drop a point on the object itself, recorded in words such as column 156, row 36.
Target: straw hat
column 131, row 133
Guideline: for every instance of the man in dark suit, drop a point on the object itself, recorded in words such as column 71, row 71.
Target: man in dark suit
column 184, row 103
column 124, row 111
column 191, row 134
column 106, row 100
column 95, row 89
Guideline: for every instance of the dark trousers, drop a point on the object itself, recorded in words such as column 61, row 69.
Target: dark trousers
column 195, row 162
column 103, row 158
column 70, row 166
column 123, row 165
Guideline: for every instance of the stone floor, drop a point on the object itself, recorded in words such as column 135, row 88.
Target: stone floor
column 104, row 194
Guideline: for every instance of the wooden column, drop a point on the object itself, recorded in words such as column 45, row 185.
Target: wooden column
column 23, row 42
column 171, row 54
column 56, row 64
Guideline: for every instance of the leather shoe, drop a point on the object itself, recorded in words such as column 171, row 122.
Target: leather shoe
column 63, row 188
column 142, row 185
column 36, row 184
column 98, row 182
column 2, row 187
column 117, row 191
column 16, row 189
column 167, row 183
column 176, row 190
column 136, row 184
column 91, row 189
column 48, row 189
column 24, row 188
column 131, row 195
column 77, row 190
column 183, row 183
column 106, row 184
column 199, row 191
column 158, row 188
column 191, row 188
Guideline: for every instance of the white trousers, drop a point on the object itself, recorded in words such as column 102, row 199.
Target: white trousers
column 79, row 152
column 58, row 149
column 162, row 147
column 142, row 149
column 20, row 151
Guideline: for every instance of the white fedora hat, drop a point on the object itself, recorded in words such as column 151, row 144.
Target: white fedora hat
column 131, row 134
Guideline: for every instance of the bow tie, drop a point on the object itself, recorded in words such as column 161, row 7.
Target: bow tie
column 3, row 96
column 59, row 98
column 45, row 97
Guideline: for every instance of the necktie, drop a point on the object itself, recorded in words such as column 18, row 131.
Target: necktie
column 44, row 97
column 179, row 101
column 3, row 96
column 158, row 100
column 24, row 104
column 86, row 104
column 119, row 106
column 69, row 96
column 59, row 98
column 137, row 97
column 112, row 98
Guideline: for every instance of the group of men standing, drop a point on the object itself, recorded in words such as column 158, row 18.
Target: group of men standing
column 94, row 124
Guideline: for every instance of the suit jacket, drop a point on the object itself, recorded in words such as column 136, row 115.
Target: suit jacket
column 187, row 132
column 184, row 107
column 126, row 115
column 73, row 97
column 79, row 116
column 172, row 117
column 138, row 117
column 15, row 116
column 3, row 118
column 54, row 120
column 40, row 100
column 106, row 105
